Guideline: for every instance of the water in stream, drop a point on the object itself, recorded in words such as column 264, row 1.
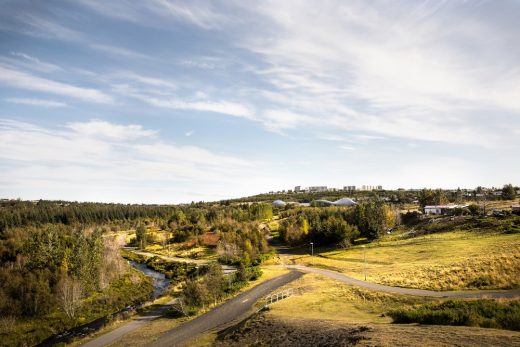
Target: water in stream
column 160, row 285
column 160, row 282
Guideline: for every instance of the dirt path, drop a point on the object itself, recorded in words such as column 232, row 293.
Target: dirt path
column 165, row 257
column 226, row 268
column 407, row 291
column 226, row 313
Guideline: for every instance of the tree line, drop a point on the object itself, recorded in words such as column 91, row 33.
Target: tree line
column 337, row 225
column 17, row 213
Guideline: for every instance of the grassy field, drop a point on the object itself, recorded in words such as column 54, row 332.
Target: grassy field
column 440, row 261
column 319, row 297
column 323, row 311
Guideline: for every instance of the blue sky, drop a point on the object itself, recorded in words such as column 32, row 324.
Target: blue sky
column 162, row 101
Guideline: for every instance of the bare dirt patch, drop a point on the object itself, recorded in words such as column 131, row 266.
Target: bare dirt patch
column 262, row 330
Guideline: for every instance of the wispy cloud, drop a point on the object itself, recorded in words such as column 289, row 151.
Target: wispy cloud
column 148, row 81
column 222, row 107
column 279, row 120
column 34, row 63
column 400, row 66
column 28, row 23
column 347, row 148
column 120, row 51
column 154, row 13
column 100, row 128
column 125, row 164
column 36, row 102
column 23, row 80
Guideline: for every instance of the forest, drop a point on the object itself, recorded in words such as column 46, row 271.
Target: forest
column 61, row 262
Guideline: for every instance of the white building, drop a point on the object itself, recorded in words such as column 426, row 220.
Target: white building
column 317, row 189
column 441, row 209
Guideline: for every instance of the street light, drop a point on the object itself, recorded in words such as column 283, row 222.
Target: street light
column 312, row 254
column 197, row 269
column 365, row 256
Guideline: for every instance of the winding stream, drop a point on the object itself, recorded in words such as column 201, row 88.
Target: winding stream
column 160, row 285
column 160, row 282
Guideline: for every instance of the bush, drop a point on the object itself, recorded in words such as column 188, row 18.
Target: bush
column 482, row 313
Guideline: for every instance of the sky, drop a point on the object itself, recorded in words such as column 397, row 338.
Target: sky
column 163, row 101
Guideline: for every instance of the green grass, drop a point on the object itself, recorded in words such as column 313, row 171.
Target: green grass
column 319, row 297
column 481, row 313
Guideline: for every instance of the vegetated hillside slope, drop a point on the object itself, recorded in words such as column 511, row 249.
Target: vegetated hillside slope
column 323, row 312
column 266, row 331
column 450, row 254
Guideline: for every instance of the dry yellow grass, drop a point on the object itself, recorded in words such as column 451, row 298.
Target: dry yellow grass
column 443, row 261
column 319, row 297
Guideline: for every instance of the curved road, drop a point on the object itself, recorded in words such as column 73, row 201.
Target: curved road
column 408, row 291
column 225, row 313
column 241, row 305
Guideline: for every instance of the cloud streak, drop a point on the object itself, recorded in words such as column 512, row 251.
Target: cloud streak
column 23, row 80
column 36, row 102
column 395, row 63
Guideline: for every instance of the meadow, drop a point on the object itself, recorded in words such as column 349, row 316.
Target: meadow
column 455, row 260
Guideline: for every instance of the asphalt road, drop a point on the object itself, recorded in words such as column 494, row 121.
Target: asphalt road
column 224, row 314
column 408, row 291
column 137, row 323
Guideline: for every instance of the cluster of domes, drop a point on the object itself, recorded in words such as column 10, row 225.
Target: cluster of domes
column 340, row 202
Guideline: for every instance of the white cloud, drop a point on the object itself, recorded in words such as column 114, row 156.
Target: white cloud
column 36, row 102
column 347, row 148
column 416, row 71
column 126, row 164
column 33, row 63
column 278, row 120
column 108, row 130
column 222, row 107
column 19, row 79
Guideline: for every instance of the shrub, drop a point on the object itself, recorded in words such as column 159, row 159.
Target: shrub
column 482, row 313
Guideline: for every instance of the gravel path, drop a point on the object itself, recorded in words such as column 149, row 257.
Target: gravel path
column 408, row 291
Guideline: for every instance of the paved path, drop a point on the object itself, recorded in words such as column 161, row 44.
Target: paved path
column 136, row 323
column 407, row 291
column 226, row 313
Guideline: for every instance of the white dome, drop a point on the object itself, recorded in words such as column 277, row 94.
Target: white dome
column 345, row 202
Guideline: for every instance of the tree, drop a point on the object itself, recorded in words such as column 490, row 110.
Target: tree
column 215, row 282
column 432, row 197
column 140, row 235
column 508, row 192
column 474, row 209
column 69, row 295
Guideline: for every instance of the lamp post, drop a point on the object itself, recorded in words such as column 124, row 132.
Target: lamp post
column 197, row 269
column 312, row 254
column 365, row 256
